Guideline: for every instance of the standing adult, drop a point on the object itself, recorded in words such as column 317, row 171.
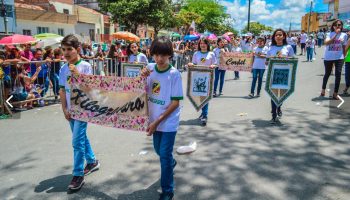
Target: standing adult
column 303, row 38
column 334, row 55
column 320, row 38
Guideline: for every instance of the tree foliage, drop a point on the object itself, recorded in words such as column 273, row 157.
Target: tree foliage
column 256, row 28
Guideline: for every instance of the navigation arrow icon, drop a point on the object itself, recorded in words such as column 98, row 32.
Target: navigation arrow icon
column 8, row 101
column 342, row 101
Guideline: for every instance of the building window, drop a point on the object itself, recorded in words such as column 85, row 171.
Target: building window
column 61, row 31
column 92, row 34
column 42, row 29
column 106, row 31
column 66, row 11
column 27, row 32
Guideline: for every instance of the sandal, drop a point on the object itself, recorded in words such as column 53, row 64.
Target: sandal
column 335, row 97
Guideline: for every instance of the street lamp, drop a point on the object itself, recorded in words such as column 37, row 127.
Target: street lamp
column 308, row 27
column 248, row 15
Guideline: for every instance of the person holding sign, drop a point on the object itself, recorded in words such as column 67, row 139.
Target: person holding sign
column 203, row 57
column 279, row 49
column 258, row 65
column 81, row 145
column 334, row 55
column 165, row 91
column 219, row 74
column 134, row 55
column 236, row 48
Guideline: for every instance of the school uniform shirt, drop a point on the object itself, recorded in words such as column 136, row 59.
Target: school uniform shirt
column 140, row 58
column 291, row 41
column 162, row 88
column 259, row 63
column 82, row 66
column 320, row 35
column 217, row 51
column 334, row 51
column 206, row 59
column 284, row 51
column 236, row 49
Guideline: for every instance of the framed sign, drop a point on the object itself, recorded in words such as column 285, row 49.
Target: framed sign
column 119, row 102
column 236, row 61
column 280, row 81
column 200, row 85
column 131, row 69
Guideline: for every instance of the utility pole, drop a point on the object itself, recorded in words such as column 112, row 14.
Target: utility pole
column 290, row 26
column 308, row 27
column 248, row 15
column 3, row 12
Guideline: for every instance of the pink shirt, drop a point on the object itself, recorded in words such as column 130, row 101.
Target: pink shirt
column 29, row 56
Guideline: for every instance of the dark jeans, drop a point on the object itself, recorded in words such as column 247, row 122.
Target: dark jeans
column 219, row 74
column 294, row 48
column 258, row 74
column 236, row 74
column 205, row 110
column 274, row 109
column 347, row 74
column 328, row 65
column 319, row 42
column 55, row 79
column 163, row 143
column 309, row 53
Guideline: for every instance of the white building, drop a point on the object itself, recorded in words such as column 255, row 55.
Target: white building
column 10, row 17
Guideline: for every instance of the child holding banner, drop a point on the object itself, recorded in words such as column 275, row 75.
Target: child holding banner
column 236, row 48
column 219, row 74
column 203, row 57
column 81, row 145
column 165, row 91
column 258, row 65
column 134, row 55
column 279, row 49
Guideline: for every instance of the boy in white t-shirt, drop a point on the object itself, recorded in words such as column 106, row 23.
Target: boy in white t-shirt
column 164, row 94
column 81, row 145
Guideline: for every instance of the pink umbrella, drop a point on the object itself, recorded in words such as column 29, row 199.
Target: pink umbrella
column 17, row 39
column 226, row 37
column 212, row 37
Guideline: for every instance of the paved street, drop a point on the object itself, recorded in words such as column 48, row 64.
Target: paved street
column 239, row 155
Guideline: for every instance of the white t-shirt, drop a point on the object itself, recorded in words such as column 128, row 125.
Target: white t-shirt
column 334, row 51
column 291, row 41
column 284, row 51
column 162, row 88
column 140, row 58
column 217, row 52
column 204, row 59
column 310, row 43
column 236, row 49
column 303, row 38
column 320, row 35
column 259, row 63
column 82, row 66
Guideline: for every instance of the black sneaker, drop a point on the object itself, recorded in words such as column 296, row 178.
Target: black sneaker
column 279, row 113
column 89, row 168
column 76, row 183
column 258, row 95
column 215, row 95
column 274, row 121
column 166, row 196
column 251, row 95
column 204, row 121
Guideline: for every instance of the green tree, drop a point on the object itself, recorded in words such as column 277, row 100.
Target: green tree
column 129, row 13
column 256, row 28
column 160, row 15
column 211, row 14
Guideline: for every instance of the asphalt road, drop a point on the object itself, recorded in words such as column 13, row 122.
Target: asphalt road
column 239, row 155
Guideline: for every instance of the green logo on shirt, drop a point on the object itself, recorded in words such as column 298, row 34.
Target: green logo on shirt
column 156, row 101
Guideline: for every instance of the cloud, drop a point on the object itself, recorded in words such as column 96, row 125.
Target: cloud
column 278, row 15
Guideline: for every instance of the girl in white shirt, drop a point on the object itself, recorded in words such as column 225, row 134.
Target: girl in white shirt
column 334, row 55
column 134, row 55
column 279, row 49
column 219, row 74
column 310, row 46
column 204, row 57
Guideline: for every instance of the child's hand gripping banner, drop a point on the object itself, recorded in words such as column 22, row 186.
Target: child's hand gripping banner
column 235, row 61
column 118, row 102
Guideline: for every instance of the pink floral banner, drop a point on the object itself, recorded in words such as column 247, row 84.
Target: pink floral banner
column 118, row 102
column 235, row 61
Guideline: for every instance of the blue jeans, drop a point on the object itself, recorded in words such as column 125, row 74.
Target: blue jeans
column 205, row 110
column 54, row 79
column 347, row 74
column 163, row 143
column 319, row 42
column 81, row 146
column 294, row 48
column 236, row 74
column 309, row 53
column 219, row 74
column 258, row 74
